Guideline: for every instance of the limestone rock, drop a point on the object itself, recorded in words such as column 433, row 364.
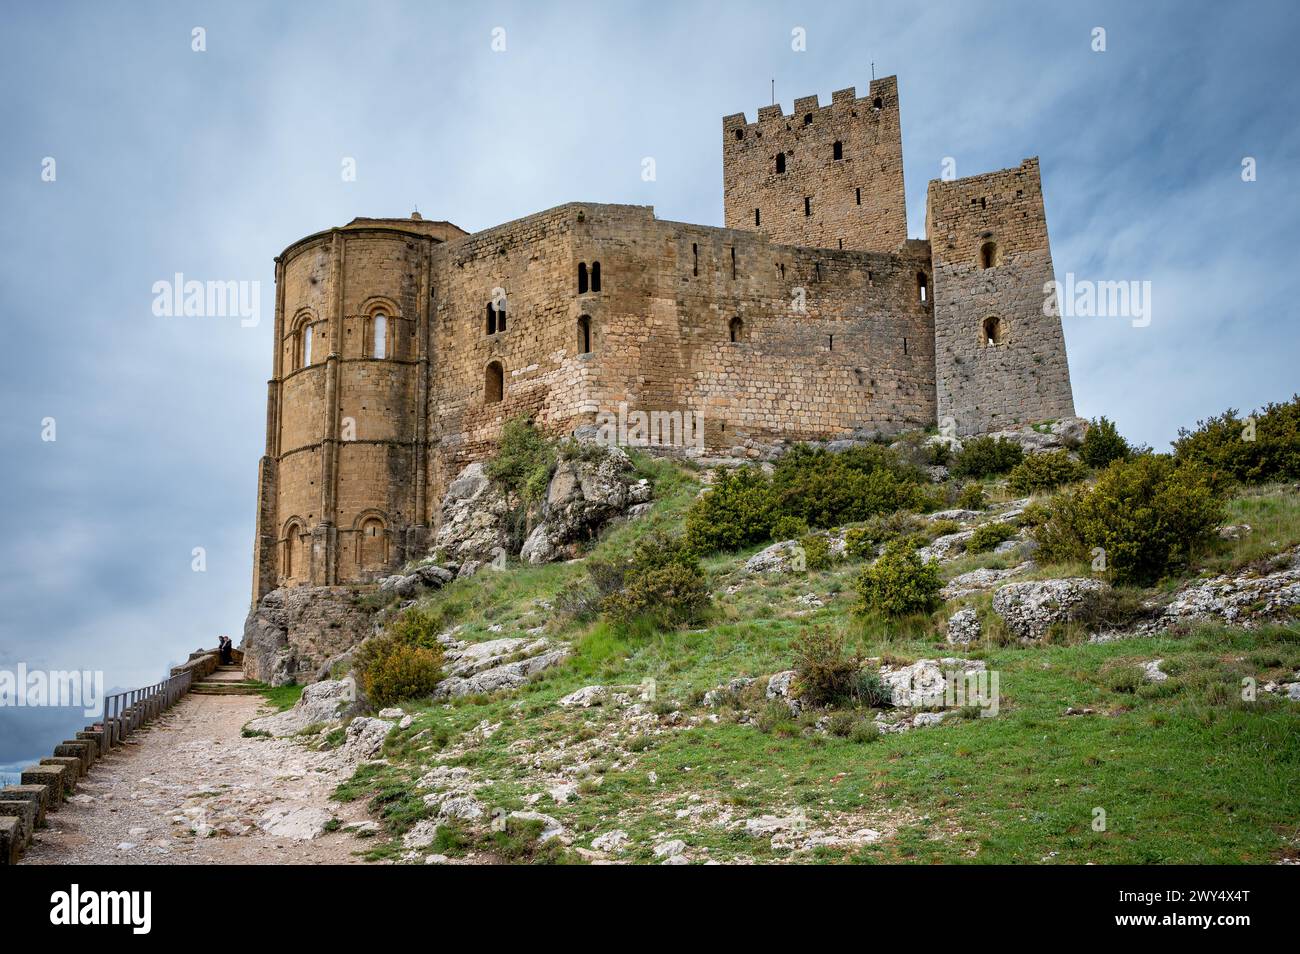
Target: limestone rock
column 963, row 627
column 320, row 702
column 586, row 491
column 1028, row 609
column 611, row 842
column 496, row 664
column 365, row 738
column 550, row 827
column 473, row 524
column 293, row 630
column 299, row 822
column 924, row 683
column 777, row 558
column 1241, row 599
column 979, row 580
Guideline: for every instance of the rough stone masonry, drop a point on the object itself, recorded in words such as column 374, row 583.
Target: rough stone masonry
column 403, row 345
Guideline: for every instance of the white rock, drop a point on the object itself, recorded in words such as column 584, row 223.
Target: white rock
column 670, row 849
column 611, row 842
column 391, row 713
column 1152, row 672
column 1030, row 608
column 550, row 827
column 299, row 822
column 964, row 627
column 586, row 697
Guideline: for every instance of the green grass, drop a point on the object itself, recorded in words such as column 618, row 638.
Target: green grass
column 281, row 697
column 1185, row 771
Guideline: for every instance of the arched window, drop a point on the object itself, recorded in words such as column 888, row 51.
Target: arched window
column 491, row 319
column 780, row 162
column 993, row 331
column 293, row 556
column 737, row 328
column 582, row 278
column 300, row 343
column 496, row 317
column 379, row 344
column 493, row 383
column 990, row 255
column 372, row 545
column 838, row 150
column 877, row 103
column 922, row 286
column 595, row 276
column 584, row 334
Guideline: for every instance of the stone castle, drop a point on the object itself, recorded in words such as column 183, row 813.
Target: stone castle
column 403, row 345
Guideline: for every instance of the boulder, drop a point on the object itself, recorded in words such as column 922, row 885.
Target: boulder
column 1242, row 599
column 778, row 558
column 963, row 627
column 924, row 683
column 586, row 491
column 474, row 519
column 1030, row 608
column 365, row 738
column 320, row 702
column 293, row 631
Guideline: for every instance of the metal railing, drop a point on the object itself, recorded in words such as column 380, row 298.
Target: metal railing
column 128, row 711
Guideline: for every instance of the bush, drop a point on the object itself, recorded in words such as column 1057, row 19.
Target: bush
column 1103, row 444
column 786, row 527
column 390, row 669
column 972, row 497
column 736, row 512
column 898, row 583
column 816, row 551
column 663, row 581
column 578, row 601
column 987, row 536
column 864, row 730
column 827, row 489
column 1147, row 513
column 861, row 542
column 416, row 627
column 1041, row 472
column 986, row 457
column 829, row 676
column 523, row 461
column 1222, row 447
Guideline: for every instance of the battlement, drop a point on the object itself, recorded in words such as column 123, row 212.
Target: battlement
column 825, row 176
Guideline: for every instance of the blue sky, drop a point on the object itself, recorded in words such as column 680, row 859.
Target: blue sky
column 209, row 163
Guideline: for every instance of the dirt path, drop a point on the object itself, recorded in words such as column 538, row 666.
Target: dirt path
column 190, row 789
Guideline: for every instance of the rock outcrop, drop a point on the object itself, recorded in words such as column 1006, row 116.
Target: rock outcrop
column 475, row 515
column 1030, row 608
column 586, row 491
column 494, row 665
column 321, row 702
column 293, row 630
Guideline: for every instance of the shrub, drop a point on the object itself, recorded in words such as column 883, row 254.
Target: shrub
column 861, row 542
column 827, row 489
column 578, row 600
column 1103, row 444
column 827, row 674
column 986, row 457
column 898, row 583
column 523, row 461
column 415, row 627
column 391, row 669
column 663, row 581
column 737, row 511
column 987, row 536
column 1047, row 471
column 972, row 497
column 816, row 551
column 1146, row 513
column 1222, row 447
column 864, row 730
column 786, row 527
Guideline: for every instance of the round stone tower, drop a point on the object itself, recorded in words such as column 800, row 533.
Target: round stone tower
column 341, row 494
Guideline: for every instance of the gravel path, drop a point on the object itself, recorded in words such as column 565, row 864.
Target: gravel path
column 190, row 789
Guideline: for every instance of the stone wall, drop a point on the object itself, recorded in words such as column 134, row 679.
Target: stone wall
column 816, row 200
column 293, row 631
column 999, row 360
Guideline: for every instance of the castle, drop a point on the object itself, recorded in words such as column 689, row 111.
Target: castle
column 403, row 345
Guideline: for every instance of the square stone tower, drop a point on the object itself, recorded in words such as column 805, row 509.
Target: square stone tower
column 999, row 350
column 825, row 177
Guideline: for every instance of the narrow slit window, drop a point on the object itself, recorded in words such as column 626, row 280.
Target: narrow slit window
column 695, row 259
column 379, row 347
column 780, row 163
column 582, row 278
column 493, row 383
column 491, row 319
column 807, row 205
column 837, row 151
column 757, row 218
column 736, row 329
column 857, row 195
column 306, row 345
column 922, row 286
column 595, row 276
column 733, row 262
column 584, row 335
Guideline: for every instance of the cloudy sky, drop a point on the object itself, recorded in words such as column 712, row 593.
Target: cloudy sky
column 207, row 163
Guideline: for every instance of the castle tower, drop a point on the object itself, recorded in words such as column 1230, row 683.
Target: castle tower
column 341, row 487
column 999, row 359
column 825, row 177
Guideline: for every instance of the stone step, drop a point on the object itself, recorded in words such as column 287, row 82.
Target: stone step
column 224, row 689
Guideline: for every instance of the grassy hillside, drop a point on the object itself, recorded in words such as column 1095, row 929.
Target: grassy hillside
column 1177, row 771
